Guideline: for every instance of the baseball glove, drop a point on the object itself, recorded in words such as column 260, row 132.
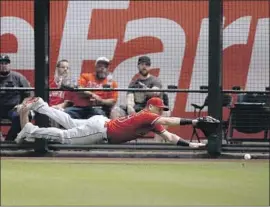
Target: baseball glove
column 208, row 125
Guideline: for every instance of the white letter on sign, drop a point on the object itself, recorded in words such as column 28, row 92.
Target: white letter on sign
column 75, row 46
column 258, row 75
column 169, row 61
column 24, row 33
column 235, row 33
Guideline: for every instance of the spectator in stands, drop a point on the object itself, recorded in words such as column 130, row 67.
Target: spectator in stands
column 89, row 103
column 136, row 101
column 61, row 77
column 9, row 99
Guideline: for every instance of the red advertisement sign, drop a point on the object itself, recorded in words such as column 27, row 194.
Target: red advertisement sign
column 174, row 34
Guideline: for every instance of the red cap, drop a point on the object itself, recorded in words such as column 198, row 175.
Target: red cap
column 157, row 102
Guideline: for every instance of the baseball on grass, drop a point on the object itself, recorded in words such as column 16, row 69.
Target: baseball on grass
column 247, row 156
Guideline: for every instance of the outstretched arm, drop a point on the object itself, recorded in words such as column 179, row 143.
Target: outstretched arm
column 208, row 125
column 173, row 138
column 175, row 121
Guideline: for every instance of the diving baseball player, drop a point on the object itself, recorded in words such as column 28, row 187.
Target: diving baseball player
column 99, row 129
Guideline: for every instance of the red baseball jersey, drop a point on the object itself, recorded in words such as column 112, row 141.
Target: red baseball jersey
column 56, row 97
column 130, row 127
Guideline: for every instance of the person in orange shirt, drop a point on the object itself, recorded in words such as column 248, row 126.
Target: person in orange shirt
column 90, row 103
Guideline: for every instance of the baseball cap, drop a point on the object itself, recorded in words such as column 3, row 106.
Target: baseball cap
column 144, row 59
column 103, row 59
column 157, row 102
column 4, row 58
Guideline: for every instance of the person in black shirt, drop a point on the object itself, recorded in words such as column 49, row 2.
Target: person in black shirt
column 9, row 99
column 136, row 101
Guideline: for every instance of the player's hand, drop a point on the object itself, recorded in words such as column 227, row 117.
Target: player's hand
column 196, row 145
column 208, row 125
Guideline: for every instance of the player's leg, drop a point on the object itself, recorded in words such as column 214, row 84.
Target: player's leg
column 92, row 132
column 83, row 135
column 30, row 131
column 58, row 116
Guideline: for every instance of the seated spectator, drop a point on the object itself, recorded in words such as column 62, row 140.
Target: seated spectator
column 61, row 77
column 90, row 103
column 9, row 99
column 136, row 101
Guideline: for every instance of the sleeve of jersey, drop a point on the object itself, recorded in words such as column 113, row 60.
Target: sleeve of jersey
column 25, row 83
column 158, row 129
column 131, row 85
column 157, row 83
column 151, row 119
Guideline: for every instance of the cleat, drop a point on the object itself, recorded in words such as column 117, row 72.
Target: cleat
column 18, row 108
column 33, row 103
column 23, row 134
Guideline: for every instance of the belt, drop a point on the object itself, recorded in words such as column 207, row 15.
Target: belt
column 108, row 138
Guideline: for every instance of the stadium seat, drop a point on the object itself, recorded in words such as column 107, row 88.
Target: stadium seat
column 226, row 102
column 251, row 114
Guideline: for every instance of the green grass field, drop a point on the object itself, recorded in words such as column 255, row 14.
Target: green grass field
column 97, row 182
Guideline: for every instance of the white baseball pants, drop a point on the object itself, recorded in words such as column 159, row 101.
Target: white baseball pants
column 78, row 131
